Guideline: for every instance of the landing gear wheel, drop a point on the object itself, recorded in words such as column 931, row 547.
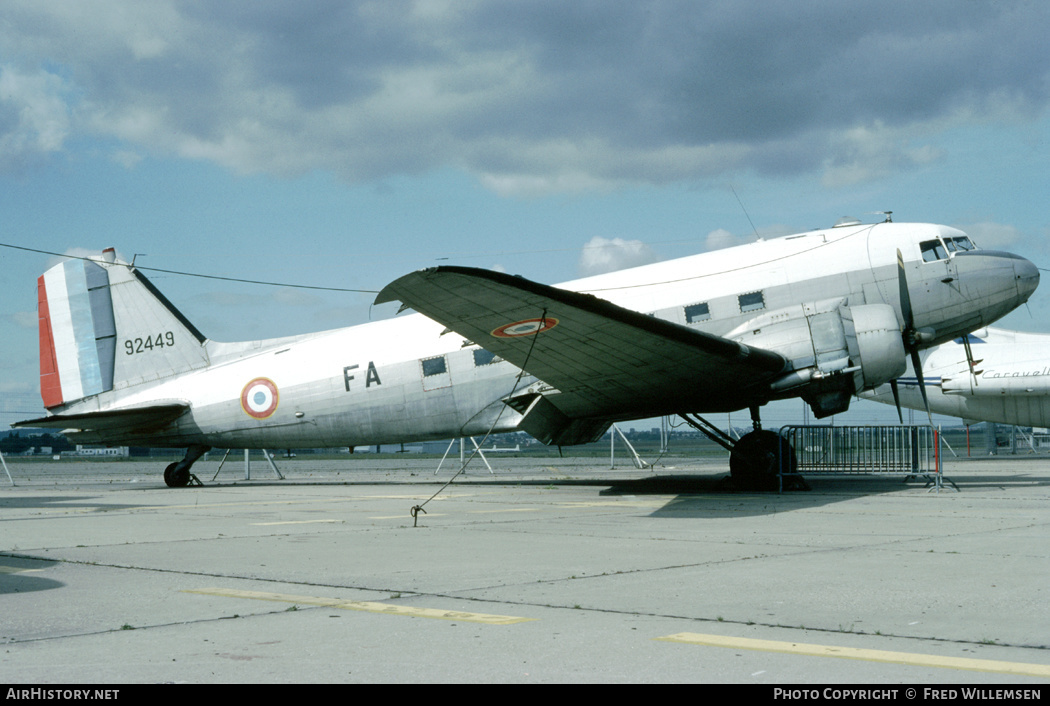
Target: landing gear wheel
column 755, row 460
column 176, row 477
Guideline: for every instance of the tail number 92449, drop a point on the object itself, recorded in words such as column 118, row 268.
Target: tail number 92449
column 149, row 343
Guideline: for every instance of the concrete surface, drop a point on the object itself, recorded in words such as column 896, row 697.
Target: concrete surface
column 545, row 571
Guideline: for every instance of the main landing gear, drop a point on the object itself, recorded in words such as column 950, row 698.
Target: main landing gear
column 757, row 459
column 177, row 475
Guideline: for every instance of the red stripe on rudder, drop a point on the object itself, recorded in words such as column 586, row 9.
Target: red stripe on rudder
column 50, row 384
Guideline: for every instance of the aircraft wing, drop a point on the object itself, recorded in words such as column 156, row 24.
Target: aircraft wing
column 125, row 422
column 603, row 359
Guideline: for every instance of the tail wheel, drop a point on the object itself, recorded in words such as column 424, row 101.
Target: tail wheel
column 756, row 460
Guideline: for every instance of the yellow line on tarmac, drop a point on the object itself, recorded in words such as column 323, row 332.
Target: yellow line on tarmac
column 293, row 522
column 304, row 501
column 615, row 503
column 366, row 606
column 403, row 515
column 909, row 658
column 17, row 570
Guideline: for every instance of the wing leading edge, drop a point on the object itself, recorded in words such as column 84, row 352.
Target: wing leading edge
column 604, row 360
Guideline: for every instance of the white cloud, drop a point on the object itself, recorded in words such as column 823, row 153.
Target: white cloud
column 34, row 120
column 992, row 236
column 602, row 255
column 78, row 252
column 127, row 158
column 25, row 319
column 530, row 98
column 868, row 152
column 721, row 238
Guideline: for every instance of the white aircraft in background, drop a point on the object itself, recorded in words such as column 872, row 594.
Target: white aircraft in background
column 822, row 315
column 1005, row 378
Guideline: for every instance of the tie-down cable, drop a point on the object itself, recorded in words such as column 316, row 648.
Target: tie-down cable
column 416, row 509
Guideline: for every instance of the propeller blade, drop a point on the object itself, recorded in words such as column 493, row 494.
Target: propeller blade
column 916, row 363
column 902, row 283
column 897, row 399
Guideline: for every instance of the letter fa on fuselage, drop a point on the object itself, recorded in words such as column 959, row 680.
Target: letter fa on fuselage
column 371, row 375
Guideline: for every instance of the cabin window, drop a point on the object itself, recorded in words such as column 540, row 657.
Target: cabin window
column 697, row 312
column 933, row 250
column 433, row 366
column 484, row 357
column 752, row 301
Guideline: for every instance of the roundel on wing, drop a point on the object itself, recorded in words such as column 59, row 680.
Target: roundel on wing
column 259, row 398
column 528, row 327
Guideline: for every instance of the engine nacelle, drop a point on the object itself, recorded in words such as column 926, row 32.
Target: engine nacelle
column 836, row 350
column 879, row 346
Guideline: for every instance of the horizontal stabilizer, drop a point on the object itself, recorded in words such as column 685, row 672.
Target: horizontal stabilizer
column 127, row 421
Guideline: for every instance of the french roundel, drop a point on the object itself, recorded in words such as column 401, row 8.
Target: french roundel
column 259, row 398
column 528, row 327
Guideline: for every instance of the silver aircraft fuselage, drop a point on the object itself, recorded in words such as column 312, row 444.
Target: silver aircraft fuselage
column 407, row 379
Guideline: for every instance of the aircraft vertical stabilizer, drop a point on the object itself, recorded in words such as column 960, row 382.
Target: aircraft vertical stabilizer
column 104, row 326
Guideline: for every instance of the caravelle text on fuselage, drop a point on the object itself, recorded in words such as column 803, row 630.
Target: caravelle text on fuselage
column 822, row 315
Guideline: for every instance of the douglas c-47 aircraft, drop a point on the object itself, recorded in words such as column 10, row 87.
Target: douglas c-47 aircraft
column 822, row 315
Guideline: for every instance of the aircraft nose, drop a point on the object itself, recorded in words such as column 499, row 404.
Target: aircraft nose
column 1026, row 274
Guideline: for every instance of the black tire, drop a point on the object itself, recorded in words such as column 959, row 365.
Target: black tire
column 755, row 460
column 175, row 477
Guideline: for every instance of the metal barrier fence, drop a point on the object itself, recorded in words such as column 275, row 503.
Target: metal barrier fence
column 889, row 450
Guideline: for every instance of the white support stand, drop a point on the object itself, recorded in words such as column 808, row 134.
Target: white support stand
column 4, row 464
column 269, row 460
column 482, row 454
column 461, row 454
column 217, row 470
column 248, row 464
column 451, row 441
column 1028, row 439
column 638, row 462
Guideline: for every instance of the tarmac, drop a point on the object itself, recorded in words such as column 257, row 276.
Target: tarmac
column 542, row 571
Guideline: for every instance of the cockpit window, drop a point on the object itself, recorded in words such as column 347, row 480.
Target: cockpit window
column 933, row 250
column 964, row 243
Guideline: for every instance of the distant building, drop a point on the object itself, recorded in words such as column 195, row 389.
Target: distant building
column 110, row 451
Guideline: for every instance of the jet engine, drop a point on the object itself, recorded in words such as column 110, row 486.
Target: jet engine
column 836, row 350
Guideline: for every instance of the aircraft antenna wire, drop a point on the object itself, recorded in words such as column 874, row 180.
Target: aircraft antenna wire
column 746, row 215
column 416, row 509
column 196, row 274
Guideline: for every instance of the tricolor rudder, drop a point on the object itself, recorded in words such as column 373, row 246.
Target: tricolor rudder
column 77, row 332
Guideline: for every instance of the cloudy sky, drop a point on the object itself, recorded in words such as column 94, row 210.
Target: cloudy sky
column 341, row 144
